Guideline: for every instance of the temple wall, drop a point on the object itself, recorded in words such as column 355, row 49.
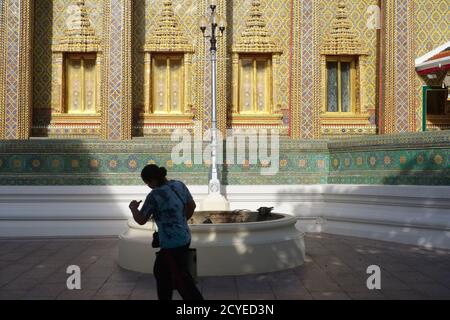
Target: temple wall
column 432, row 19
column 412, row 28
column 2, row 84
column 49, row 25
column 16, row 69
column 411, row 159
column 145, row 12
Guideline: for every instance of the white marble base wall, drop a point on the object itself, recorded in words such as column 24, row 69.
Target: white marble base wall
column 418, row 215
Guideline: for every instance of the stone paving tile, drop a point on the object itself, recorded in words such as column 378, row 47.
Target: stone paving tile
column 432, row 290
column 218, row 283
column 147, row 294
column 351, row 282
column 98, row 271
column 254, row 295
column 325, row 295
column 396, row 267
column 367, row 295
column 252, row 283
column 93, row 283
column 111, row 297
column 413, row 277
column 40, row 271
column 335, row 268
column 402, row 295
column 293, row 291
column 315, row 282
column 21, row 283
column 12, row 294
column 50, row 291
column 117, row 288
column 77, row 295
column 124, row 276
column 223, row 295
column 7, row 247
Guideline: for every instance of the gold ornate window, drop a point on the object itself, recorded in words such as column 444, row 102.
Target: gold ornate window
column 256, row 60
column 80, row 84
column 341, row 85
column 168, row 60
column 167, row 84
column 76, row 74
column 255, row 78
column 343, row 62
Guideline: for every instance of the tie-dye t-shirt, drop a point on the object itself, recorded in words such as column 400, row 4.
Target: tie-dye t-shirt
column 167, row 209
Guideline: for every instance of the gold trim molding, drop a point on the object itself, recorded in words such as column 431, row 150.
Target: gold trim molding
column 3, row 47
column 391, row 122
column 16, row 98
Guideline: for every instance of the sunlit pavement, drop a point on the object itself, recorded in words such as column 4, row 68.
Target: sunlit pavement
column 336, row 268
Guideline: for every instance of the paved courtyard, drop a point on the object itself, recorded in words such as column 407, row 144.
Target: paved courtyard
column 335, row 269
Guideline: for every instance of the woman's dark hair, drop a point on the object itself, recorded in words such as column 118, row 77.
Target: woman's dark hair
column 153, row 172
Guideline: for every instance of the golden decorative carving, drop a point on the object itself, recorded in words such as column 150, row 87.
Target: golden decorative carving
column 388, row 36
column 256, row 37
column 392, row 121
column 127, row 100
column 26, row 68
column 79, row 35
column 295, row 86
column 222, row 73
column 342, row 38
column 19, row 73
column 3, row 47
column 167, row 36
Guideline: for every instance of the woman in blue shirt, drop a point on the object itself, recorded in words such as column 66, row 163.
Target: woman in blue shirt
column 170, row 205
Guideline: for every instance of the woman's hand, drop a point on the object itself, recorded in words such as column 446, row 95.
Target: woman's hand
column 134, row 205
column 138, row 217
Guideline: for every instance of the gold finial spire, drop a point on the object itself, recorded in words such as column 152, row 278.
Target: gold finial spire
column 79, row 35
column 168, row 36
column 256, row 36
column 342, row 38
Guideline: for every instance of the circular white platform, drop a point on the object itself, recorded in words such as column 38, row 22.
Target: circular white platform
column 224, row 249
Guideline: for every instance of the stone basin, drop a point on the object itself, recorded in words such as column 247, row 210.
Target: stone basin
column 237, row 216
column 235, row 243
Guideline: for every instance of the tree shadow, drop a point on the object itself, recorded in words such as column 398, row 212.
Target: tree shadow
column 42, row 68
column 138, row 42
column 401, row 195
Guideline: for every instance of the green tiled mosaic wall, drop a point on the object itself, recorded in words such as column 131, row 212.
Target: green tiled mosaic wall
column 407, row 159
column 411, row 159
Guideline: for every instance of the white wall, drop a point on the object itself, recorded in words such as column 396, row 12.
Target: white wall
column 417, row 215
